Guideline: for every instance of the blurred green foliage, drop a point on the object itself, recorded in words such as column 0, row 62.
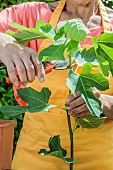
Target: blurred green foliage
column 7, row 3
column 7, row 97
column 108, row 3
column 6, row 91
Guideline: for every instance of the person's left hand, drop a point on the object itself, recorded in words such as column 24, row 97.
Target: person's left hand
column 76, row 105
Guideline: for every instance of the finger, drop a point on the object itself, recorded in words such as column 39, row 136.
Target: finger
column 12, row 74
column 83, row 114
column 38, row 67
column 21, row 71
column 72, row 97
column 78, row 110
column 96, row 92
column 30, row 70
column 41, row 72
column 75, row 103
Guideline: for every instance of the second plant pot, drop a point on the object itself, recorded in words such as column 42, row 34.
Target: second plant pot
column 6, row 143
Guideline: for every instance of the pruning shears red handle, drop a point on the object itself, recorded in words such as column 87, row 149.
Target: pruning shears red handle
column 47, row 69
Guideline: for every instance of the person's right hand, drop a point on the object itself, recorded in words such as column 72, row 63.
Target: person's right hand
column 23, row 58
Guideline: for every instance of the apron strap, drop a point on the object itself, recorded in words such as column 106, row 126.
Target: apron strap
column 56, row 15
column 105, row 20
column 53, row 21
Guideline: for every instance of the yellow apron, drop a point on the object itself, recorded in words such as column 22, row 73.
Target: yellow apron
column 93, row 147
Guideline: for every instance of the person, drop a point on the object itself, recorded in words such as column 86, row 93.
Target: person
column 93, row 147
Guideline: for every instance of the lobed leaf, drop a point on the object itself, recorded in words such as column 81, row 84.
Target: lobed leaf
column 56, row 150
column 83, row 83
column 25, row 36
column 9, row 32
column 90, row 121
column 60, row 26
column 107, row 53
column 37, row 102
column 44, row 28
column 41, row 31
column 76, row 29
column 106, row 38
column 103, row 49
column 104, row 64
column 85, row 56
column 48, row 31
column 19, row 26
column 54, row 51
column 71, row 45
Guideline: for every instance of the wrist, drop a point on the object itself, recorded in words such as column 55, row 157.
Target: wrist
column 107, row 105
column 6, row 39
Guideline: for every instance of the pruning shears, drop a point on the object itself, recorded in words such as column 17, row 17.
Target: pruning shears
column 47, row 69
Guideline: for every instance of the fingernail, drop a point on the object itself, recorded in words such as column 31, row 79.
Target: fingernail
column 69, row 113
column 67, row 101
column 42, row 79
column 15, row 83
column 68, row 108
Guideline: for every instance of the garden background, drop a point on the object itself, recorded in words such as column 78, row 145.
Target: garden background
column 6, row 91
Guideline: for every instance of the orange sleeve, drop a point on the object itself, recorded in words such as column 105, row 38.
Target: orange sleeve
column 25, row 14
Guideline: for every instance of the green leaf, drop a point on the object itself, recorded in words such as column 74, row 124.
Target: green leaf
column 44, row 28
column 76, row 29
column 54, row 51
column 93, row 80
column 60, row 26
column 107, row 53
column 90, row 121
column 37, row 102
column 75, row 127
column 25, row 36
column 83, row 83
column 2, row 90
column 39, row 23
column 12, row 110
column 56, row 150
column 72, row 45
column 41, row 31
column 60, row 30
column 19, row 27
column 85, row 56
column 9, row 32
column 48, row 31
column 106, row 38
column 103, row 47
column 104, row 65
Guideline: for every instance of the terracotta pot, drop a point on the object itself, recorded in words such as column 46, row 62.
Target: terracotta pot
column 6, row 143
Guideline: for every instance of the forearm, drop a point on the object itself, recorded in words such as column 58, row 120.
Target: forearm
column 5, row 39
column 107, row 102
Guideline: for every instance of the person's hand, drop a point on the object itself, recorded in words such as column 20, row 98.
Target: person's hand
column 107, row 104
column 76, row 105
column 23, row 58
